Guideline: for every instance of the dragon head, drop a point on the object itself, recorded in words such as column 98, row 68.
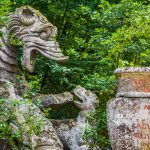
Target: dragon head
column 36, row 34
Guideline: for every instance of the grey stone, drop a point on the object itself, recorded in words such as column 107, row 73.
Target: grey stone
column 47, row 100
column 128, row 115
column 70, row 131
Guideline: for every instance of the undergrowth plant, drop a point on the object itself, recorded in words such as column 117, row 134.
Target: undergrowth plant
column 18, row 133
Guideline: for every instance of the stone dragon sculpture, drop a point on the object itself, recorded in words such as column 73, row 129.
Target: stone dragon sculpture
column 36, row 35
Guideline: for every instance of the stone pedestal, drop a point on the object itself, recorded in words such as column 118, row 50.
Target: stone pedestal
column 129, row 114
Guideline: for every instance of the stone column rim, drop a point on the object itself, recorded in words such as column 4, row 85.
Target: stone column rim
column 132, row 70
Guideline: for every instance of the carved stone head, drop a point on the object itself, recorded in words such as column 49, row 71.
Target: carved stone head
column 36, row 34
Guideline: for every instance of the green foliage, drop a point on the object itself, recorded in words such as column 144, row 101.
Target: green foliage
column 66, row 111
column 5, row 7
column 96, row 131
column 18, row 134
column 15, row 41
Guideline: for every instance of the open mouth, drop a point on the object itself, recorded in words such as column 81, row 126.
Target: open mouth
column 30, row 52
column 59, row 57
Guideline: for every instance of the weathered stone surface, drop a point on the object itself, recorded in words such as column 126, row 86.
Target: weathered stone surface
column 129, row 123
column 133, row 82
column 128, row 115
column 47, row 136
column 70, row 131
column 54, row 99
column 63, row 129
column 7, row 90
column 87, row 99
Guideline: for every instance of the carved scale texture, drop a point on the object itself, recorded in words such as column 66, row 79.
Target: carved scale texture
column 7, row 61
column 8, row 53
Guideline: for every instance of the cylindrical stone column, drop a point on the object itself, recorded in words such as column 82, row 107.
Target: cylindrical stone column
column 128, row 115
